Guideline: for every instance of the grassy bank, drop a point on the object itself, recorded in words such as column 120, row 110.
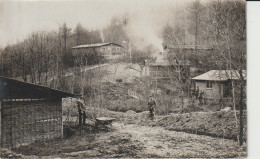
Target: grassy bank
column 218, row 124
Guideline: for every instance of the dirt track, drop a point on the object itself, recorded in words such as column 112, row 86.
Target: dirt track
column 132, row 140
column 158, row 142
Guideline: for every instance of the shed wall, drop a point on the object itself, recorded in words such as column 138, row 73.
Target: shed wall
column 159, row 71
column 24, row 122
column 213, row 92
column 110, row 52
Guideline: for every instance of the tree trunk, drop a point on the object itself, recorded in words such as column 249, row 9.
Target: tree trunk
column 196, row 32
column 65, row 42
column 220, row 96
column 241, row 108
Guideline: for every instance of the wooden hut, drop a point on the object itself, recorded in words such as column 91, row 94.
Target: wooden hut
column 217, row 83
column 29, row 112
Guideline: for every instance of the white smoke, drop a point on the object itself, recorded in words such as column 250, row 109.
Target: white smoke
column 146, row 25
column 101, row 35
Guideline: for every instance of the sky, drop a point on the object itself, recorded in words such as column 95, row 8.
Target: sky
column 18, row 18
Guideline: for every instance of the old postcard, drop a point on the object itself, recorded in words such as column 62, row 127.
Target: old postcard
column 123, row 79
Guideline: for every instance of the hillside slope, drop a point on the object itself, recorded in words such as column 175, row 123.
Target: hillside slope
column 219, row 124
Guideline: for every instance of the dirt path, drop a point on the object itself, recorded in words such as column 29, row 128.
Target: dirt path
column 158, row 142
column 132, row 140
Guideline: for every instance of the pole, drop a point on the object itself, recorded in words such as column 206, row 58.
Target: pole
column 130, row 53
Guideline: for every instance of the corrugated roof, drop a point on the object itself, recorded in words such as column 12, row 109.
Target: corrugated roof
column 94, row 45
column 199, row 47
column 166, row 62
column 220, row 75
column 160, row 63
column 14, row 89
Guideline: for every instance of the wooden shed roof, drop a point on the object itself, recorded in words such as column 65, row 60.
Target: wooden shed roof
column 94, row 45
column 14, row 89
column 220, row 75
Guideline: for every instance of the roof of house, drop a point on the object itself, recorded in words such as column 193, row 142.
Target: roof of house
column 187, row 46
column 166, row 62
column 219, row 75
column 159, row 61
column 14, row 89
column 94, row 45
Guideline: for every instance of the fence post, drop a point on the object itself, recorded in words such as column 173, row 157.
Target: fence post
column 60, row 104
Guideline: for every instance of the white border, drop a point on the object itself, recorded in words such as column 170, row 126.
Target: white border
column 253, row 78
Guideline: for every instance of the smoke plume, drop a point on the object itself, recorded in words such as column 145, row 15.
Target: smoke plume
column 145, row 26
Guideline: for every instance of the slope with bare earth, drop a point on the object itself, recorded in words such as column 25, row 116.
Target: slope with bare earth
column 217, row 124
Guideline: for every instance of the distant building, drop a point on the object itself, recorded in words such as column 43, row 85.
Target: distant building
column 162, row 68
column 109, row 51
column 157, row 69
column 217, row 83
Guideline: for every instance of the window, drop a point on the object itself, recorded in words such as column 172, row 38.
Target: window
column 209, row 84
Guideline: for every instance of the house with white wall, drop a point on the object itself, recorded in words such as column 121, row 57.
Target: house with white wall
column 217, row 83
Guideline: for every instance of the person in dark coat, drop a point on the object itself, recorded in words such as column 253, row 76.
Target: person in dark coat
column 151, row 106
column 197, row 91
column 201, row 97
column 82, row 111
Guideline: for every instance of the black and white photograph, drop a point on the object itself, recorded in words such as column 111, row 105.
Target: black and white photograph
column 123, row 79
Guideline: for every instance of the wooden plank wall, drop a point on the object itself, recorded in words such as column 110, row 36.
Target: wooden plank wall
column 27, row 121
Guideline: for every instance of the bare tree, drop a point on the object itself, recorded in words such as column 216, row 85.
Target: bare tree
column 196, row 11
column 140, row 57
column 178, row 59
column 64, row 32
column 20, row 59
column 79, row 33
column 229, row 17
column 115, row 31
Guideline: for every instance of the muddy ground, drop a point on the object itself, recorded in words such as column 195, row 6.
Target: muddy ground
column 132, row 136
column 132, row 140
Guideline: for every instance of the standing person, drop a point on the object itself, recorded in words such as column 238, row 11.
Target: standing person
column 201, row 96
column 81, row 111
column 192, row 92
column 197, row 92
column 151, row 106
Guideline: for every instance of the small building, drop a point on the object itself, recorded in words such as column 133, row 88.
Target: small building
column 109, row 51
column 217, row 83
column 162, row 68
column 157, row 69
column 29, row 112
